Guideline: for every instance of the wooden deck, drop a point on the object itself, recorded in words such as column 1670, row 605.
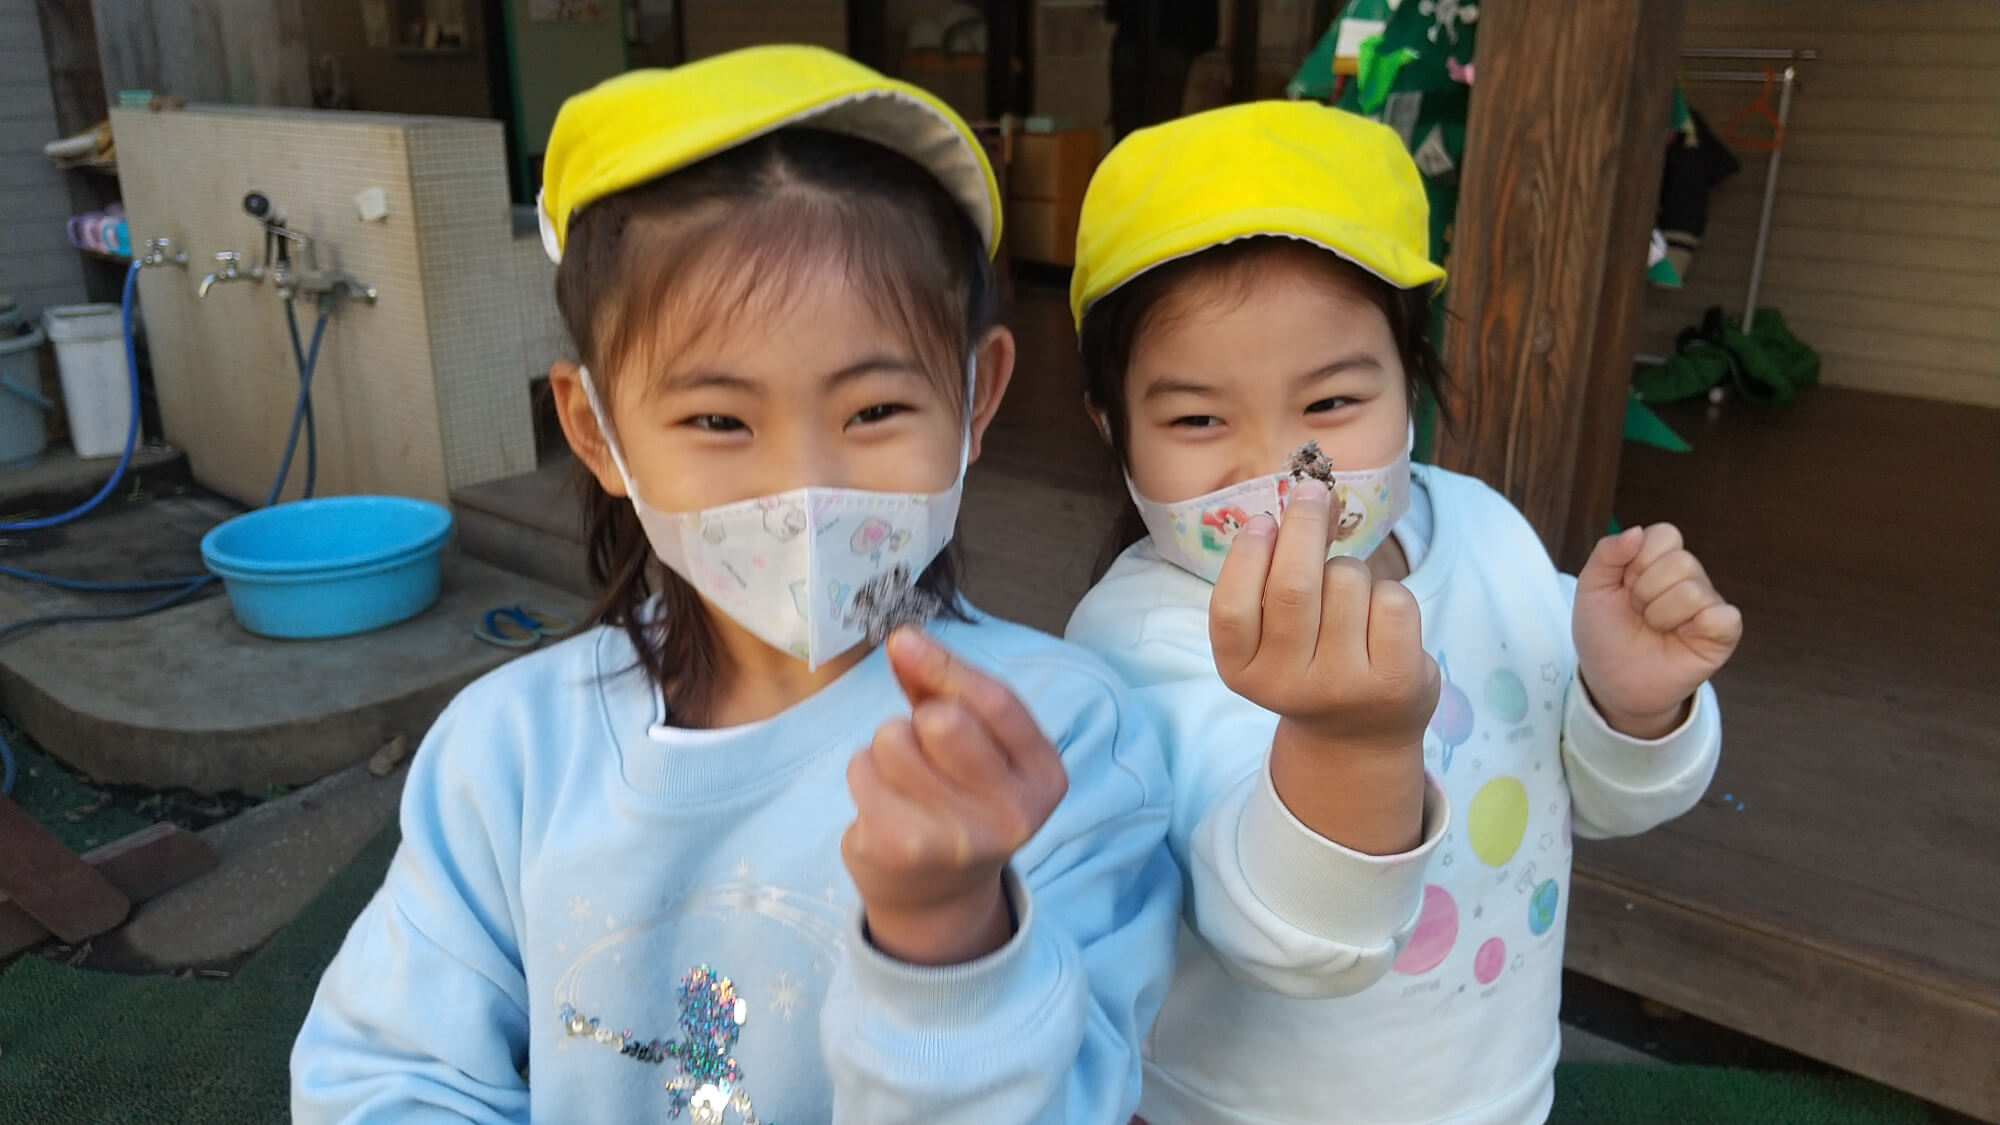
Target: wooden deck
column 1850, row 909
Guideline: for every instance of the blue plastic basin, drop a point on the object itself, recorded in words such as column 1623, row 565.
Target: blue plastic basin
column 330, row 567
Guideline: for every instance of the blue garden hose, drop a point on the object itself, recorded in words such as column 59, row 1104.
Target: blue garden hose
column 183, row 588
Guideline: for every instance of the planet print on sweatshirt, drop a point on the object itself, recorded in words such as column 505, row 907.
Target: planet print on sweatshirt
column 1436, row 932
column 1497, row 820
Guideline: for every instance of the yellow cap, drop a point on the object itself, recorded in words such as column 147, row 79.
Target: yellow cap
column 1297, row 169
column 645, row 123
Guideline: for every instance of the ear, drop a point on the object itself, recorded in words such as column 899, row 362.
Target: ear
column 1098, row 419
column 580, row 425
column 996, row 371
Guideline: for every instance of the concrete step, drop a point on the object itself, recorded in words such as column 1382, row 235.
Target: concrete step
column 61, row 479
column 531, row 524
column 187, row 698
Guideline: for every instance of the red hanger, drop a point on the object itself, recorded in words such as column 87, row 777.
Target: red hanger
column 1759, row 108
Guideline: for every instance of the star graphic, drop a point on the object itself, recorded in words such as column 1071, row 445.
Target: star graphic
column 610, row 923
column 1550, row 672
column 579, row 907
column 743, row 869
column 1479, row 911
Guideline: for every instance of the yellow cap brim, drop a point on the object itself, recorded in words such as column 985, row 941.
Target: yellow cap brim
column 644, row 124
column 1279, row 169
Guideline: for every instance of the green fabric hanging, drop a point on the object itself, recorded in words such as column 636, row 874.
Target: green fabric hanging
column 1768, row 365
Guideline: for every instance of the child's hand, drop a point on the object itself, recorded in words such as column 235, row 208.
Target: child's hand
column 1649, row 629
column 943, row 799
column 1332, row 651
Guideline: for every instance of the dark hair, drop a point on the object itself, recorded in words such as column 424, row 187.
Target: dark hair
column 723, row 237
column 1111, row 331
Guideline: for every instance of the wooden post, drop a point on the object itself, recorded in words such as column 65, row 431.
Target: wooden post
column 1563, row 154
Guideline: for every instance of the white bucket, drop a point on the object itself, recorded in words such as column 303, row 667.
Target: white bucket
column 97, row 390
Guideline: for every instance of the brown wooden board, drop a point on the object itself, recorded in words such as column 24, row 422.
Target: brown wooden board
column 50, row 883
column 142, row 865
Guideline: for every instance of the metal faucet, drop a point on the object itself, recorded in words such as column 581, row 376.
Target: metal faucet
column 288, row 255
column 160, row 252
column 229, row 268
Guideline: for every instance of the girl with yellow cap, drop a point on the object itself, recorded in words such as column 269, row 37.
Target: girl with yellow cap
column 728, row 856
column 1386, row 714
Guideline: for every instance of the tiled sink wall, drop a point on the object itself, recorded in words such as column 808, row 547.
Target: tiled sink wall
column 423, row 392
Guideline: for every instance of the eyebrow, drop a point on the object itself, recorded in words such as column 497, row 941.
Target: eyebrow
column 1176, row 385
column 701, row 379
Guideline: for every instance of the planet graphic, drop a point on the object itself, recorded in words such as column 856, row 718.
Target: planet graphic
column 1497, row 820
column 1542, row 907
column 1491, row 958
column 1452, row 721
column 1437, row 929
column 1507, row 696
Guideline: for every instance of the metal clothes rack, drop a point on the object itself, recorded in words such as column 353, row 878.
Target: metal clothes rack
column 1788, row 81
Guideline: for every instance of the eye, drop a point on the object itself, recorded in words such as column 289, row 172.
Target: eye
column 716, row 423
column 1197, row 421
column 1326, row 404
column 881, row 412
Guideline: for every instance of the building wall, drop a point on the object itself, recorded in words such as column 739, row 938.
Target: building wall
column 38, row 267
column 1885, row 239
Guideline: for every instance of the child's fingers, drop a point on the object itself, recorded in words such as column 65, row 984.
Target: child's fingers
column 1720, row 625
column 1662, row 539
column 1236, row 606
column 1679, row 604
column 1341, row 647
column 1605, row 569
column 1298, row 574
column 898, row 759
column 1664, row 574
column 1396, row 635
column 943, row 675
column 961, row 749
column 909, row 650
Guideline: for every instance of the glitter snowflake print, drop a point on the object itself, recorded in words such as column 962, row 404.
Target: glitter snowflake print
column 707, row 1083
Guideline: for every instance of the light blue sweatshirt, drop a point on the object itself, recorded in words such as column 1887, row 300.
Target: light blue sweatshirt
column 651, row 922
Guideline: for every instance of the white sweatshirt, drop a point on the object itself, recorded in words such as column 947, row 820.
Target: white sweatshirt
column 1315, row 984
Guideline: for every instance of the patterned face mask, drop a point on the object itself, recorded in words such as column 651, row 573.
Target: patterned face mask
column 786, row 566
column 1195, row 534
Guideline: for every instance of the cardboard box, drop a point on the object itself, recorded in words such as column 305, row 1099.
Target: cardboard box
column 1054, row 167
column 1043, row 232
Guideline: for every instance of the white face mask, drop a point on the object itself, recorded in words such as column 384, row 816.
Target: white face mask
column 1195, row 534
column 786, row 566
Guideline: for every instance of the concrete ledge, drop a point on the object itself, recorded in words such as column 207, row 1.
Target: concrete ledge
column 272, row 860
column 186, row 698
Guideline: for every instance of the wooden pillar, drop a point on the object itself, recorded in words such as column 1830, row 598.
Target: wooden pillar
column 1563, row 155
